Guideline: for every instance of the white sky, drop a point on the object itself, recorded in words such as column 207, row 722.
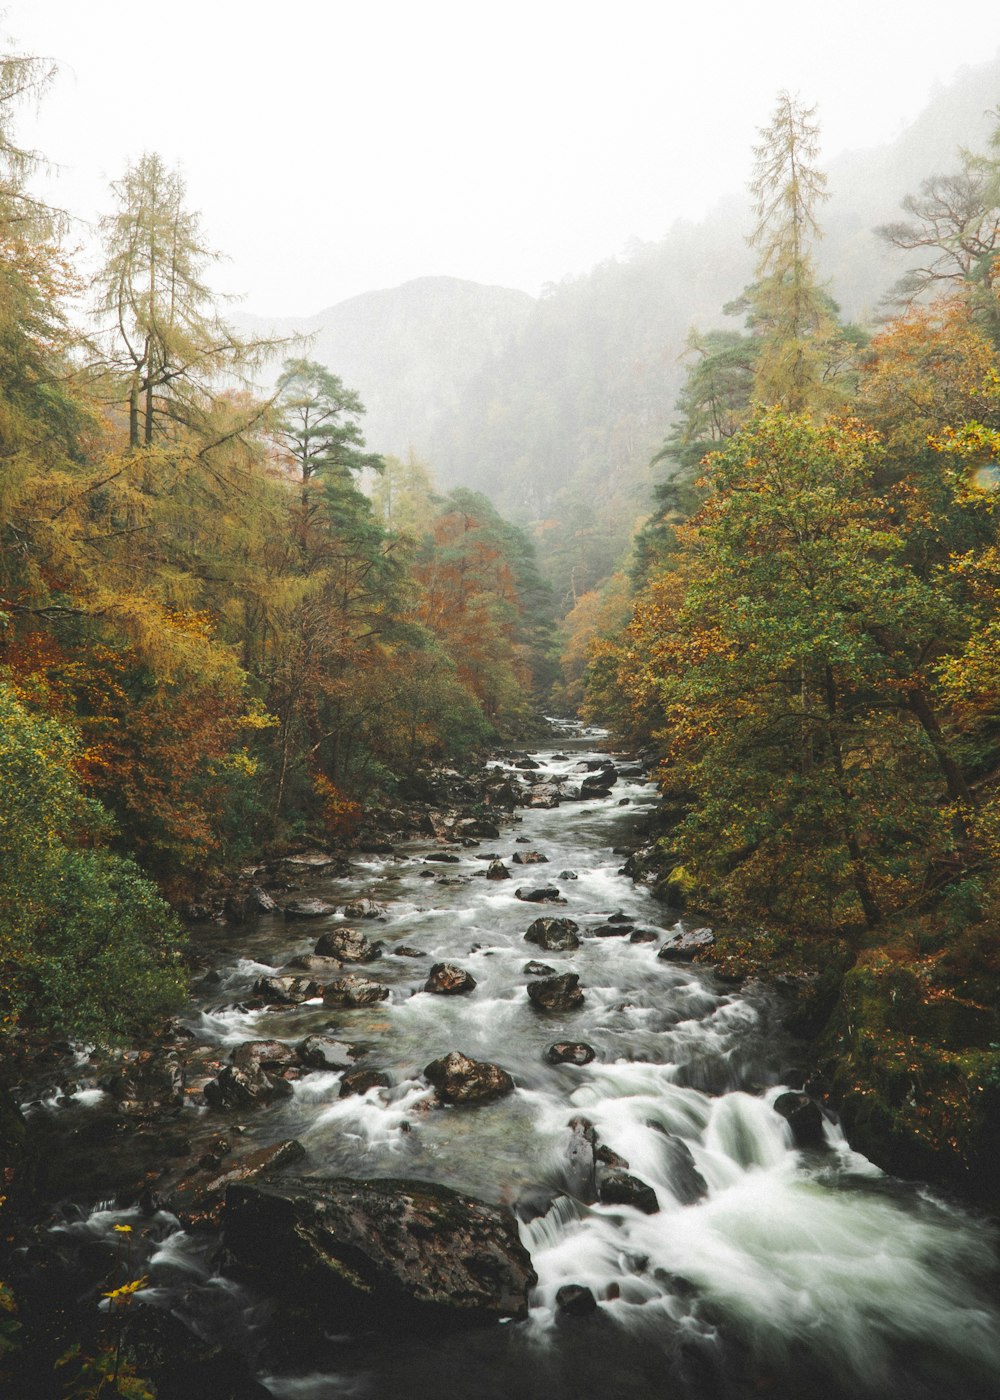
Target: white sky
column 335, row 146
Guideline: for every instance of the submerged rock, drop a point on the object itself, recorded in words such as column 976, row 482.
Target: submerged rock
column 575, row 1300
column 395, row 1251
column 309, row 909
column 557, row 993
column 538, row 969
column 359, row 1081
column 448, row 980
column 554, row 935
column 320, row 1052
column 458, row 1079
column 570, row 1052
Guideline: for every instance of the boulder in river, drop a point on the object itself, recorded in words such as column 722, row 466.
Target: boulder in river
column 575, row 1300
column 557, row 993
column 403, row 950
column 570, row 1052
column 359, row 1081
column 681, row 947
column 399, row 1252
column 545, row 894
column 243, row 1088
column 529, row 858
column 538, row 969
column 805, row 1118
column 448, row 980
column 348, row 945
column 554, row 935
column 152, row 1081
column 263, row 1054
column 321, row 1052
column 459, row 1079
column 364, row 908
column 355, row 991
column 323, row 969
column 620, row 1189
column 245, row 905
column 496, row 870
column 309, row 909
column 285, row 991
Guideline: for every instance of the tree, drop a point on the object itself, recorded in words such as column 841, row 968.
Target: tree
column 800, row 354
column 166, row 340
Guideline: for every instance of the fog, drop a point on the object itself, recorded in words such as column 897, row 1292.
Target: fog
column 334, row 147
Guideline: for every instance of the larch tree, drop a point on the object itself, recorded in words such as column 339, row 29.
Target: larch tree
column 800, row 349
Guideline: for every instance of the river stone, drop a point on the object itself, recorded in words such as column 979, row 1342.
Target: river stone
column 575, row 1300
column 554, row 935
column 546, row 796
column 403, row 950
column 448, row 980
column 529, row 858
column 496, row 870
column 355, row 991
column 243, row 1088
column 364, row 908
column 570, row 1052
column 151, row 1081
column 309, row 909
column 320, row 1052
column 568, row 875
column 581, row 1166
column 557, row 993
column 526, row 764
column 611, row 930
column 198, row 1199
column 263, row 1054
column 244, row 905
column 443, row 857
column 681, row 947
column 399, row 1252
column 457, row 1079
column 285, row 991
column 359, row 1081
column 538, row 969
column 348, row 945
column 546, row 894
column 805, row 1118
column 324, row 969
column 642, row 935
column 620, row 1189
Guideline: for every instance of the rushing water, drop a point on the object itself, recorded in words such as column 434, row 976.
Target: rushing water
column 792, row 1274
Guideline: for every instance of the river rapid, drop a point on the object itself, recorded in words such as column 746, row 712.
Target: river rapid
column 766, row 1271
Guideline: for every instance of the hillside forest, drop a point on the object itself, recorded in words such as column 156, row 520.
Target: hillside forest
column 227, row 626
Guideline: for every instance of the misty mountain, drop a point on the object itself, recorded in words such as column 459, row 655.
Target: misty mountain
column 555, row 406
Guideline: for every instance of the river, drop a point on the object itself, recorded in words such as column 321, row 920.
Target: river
column 766, row 1271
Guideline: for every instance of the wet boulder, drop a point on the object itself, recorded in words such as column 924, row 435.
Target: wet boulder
column 394, row 1251
column 614, row 930
column 557, row 993
column 554, row 935
column 285, row 991
column 545, row 894
column 642, row 935
column 364, row 908
column 198, row 1197
column 618, row 1188
column 448, row 980
column 538, row 969
column 245, row 905
column 496, row 870
column 805, row 1118
column 355, row 991
column 575, row 1300
column 403, row 950
column 263, row 1054
column 529, row 858
column 244, row 1088
column 348, row 945
column 545, row 796
column 443, row 857
column 580, row 1168
column 323, row 969
column 309, row 909
column 459, row 1079
column 321, row 1052
column 681, row 947
column 570, row 1052
column 599, row 784
column 359, row 1081
column 151, row 1081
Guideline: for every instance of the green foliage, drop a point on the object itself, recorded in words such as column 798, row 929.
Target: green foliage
column 88, row 947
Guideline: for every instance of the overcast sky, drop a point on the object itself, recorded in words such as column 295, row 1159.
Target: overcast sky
column 335, row 146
